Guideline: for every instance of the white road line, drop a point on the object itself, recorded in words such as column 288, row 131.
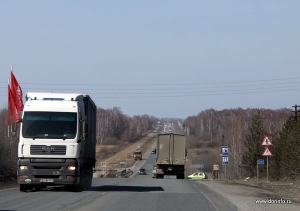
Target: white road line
column 8, row 189
column 206, row 197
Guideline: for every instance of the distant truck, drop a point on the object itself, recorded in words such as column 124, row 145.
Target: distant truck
column 171, row 156
column 138, row 155
column 57, row 141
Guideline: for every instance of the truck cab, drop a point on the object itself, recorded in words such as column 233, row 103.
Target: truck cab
column 137, row 155
column 57, row 141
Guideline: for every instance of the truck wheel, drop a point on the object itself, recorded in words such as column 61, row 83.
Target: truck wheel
column 81, row 185
column 23, row 188
column 89, row 178
column 159, row 176
column 180, row 176
column 89, row 183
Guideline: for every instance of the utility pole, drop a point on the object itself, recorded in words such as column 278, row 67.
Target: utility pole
column 296, row 111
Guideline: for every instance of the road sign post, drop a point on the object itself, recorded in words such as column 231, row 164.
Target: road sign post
column 225, row 156
column 267, row 142
column 201, row 167
column 259, row 162
column 267, row 168
column 257, row 171
column 215, row 171
column 103, row 165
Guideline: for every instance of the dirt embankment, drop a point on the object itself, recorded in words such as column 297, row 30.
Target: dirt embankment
column 286, row 190
column 250, row 195
column 118, row 157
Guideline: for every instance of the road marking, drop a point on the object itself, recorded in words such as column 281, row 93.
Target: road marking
column 206, row 197
column 8, row 189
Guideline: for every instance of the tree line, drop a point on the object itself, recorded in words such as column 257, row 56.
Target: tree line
column 113, row 127
column 243, row 131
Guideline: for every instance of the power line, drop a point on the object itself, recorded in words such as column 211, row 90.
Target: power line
column 165, row 84
column 193, row 90
column 233, row 88
column 203, row 89
column 172, row 88
column 180, row 94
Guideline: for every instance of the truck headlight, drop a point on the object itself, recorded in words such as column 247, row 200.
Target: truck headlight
column 23, row 167
column 71, row 168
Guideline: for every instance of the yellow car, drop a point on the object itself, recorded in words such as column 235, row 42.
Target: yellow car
column 197, row 176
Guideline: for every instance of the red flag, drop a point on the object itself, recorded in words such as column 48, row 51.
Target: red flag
column 13, row 114
column 16, row 92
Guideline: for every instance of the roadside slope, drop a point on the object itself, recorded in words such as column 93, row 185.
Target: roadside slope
column 123, row 153
column 249, row 198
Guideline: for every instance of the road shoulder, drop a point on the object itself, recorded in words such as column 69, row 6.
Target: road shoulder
column 247, row 198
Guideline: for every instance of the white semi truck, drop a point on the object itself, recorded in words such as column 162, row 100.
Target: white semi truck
column 57, row 141
column 170, row 155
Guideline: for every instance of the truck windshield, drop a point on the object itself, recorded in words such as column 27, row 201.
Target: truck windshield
column 51, row 125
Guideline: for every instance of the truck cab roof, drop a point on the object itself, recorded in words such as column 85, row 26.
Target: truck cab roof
column 53, row 96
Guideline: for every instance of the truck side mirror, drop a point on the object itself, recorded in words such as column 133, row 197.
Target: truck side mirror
column 14, row 129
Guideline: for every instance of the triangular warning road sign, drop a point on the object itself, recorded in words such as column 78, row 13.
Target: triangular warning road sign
column 267, row 152
column 266, row 141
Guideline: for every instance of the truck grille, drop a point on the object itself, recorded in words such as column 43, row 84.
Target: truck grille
column 48, row 150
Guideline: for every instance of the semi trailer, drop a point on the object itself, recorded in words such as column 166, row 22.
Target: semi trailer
column 170, row 155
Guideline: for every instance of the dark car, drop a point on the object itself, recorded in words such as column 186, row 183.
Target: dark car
column 142, row 172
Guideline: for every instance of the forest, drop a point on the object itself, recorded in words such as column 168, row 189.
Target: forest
column 243, row 131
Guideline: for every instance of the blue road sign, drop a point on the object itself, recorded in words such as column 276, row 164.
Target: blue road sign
column 261, row 161
column 225, row 151
column 225, row 160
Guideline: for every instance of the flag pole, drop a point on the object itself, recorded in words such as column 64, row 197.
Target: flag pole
column 8, row 110
column 11, row 138
column 10, row 143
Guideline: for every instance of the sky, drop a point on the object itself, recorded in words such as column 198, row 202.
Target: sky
column 166, row 58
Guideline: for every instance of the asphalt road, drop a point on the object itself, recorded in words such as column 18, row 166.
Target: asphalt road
column 139, row 193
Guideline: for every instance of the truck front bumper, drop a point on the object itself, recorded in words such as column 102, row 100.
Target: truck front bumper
column 47, row 172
